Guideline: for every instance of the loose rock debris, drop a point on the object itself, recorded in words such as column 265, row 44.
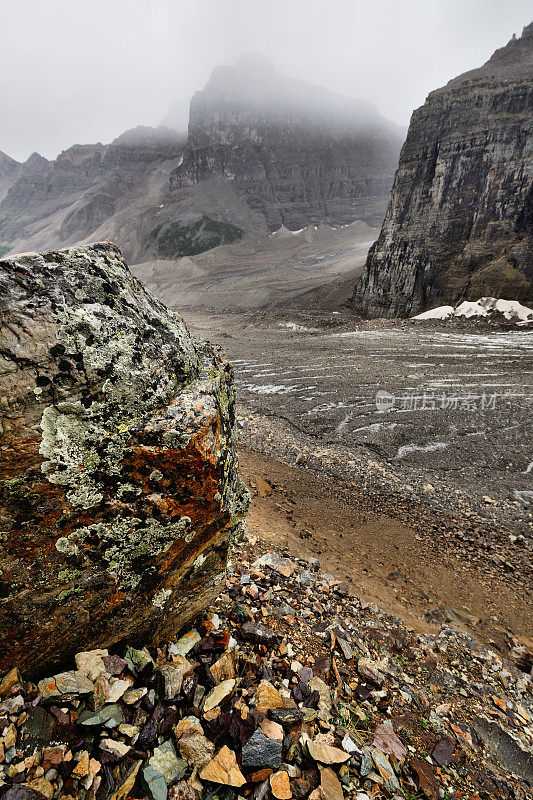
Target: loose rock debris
column 290, row 687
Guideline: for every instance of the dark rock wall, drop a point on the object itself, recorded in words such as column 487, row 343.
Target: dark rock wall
column 118, row 472
column 300, row 154
column 459, row 224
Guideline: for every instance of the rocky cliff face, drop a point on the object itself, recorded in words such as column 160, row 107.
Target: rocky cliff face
column 118, row 192
column 459, row 224
column 118, row 473
column 299, row 153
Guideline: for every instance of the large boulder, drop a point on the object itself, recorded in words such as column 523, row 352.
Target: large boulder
column 119, row 489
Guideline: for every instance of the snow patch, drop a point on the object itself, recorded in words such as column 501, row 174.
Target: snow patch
column 342, row 425
column 269, row 388
column 524, row 497
column 376, row 427
column 326, row 407
column 293, row 326
column 424, row 448
column 442, row 312
column 484, row 307
column 284, row 232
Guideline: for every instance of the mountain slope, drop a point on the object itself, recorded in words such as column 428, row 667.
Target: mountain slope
column 459, row 224
column 259, row 271
column 9, row 172
column 300, row 153
column 64, row 201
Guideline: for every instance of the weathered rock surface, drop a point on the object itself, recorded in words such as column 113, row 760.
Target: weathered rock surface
column 459, row 224
column 301, row 154
column 118, row 474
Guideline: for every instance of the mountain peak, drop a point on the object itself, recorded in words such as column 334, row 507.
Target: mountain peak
column 35, row 159
column 299, row 153
column 254, row 83
column 35, row 163
column 4, row 158
column 513, row 61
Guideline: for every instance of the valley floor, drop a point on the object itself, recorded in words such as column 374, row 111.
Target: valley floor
column 425, row 507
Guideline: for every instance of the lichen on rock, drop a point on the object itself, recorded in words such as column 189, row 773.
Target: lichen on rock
column 117, row 462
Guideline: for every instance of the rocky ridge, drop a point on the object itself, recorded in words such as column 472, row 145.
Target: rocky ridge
column 53, row 203
column 300, row 154
column 119, row 489
column 459, row 221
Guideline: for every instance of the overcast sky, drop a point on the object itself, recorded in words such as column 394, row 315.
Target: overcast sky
column 76, row 71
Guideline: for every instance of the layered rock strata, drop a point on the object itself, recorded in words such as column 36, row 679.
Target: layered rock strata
column 299, row 153
column 119, row 489
column 459, row 224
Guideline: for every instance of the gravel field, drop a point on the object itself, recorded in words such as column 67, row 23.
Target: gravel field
column 437, row 407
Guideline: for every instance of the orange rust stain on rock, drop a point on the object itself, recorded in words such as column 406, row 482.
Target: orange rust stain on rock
column 19, row 457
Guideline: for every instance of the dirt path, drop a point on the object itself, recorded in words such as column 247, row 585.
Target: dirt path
column 387, row 561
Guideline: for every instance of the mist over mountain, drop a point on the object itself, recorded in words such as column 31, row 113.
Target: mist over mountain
column 300, row 153
column 255, row 84
column 262, row 150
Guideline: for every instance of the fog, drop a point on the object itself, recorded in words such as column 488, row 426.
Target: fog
column 76, row 72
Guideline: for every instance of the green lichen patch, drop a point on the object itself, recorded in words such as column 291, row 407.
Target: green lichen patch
column 137, row 355
column 124, row 541
column 129, row 492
